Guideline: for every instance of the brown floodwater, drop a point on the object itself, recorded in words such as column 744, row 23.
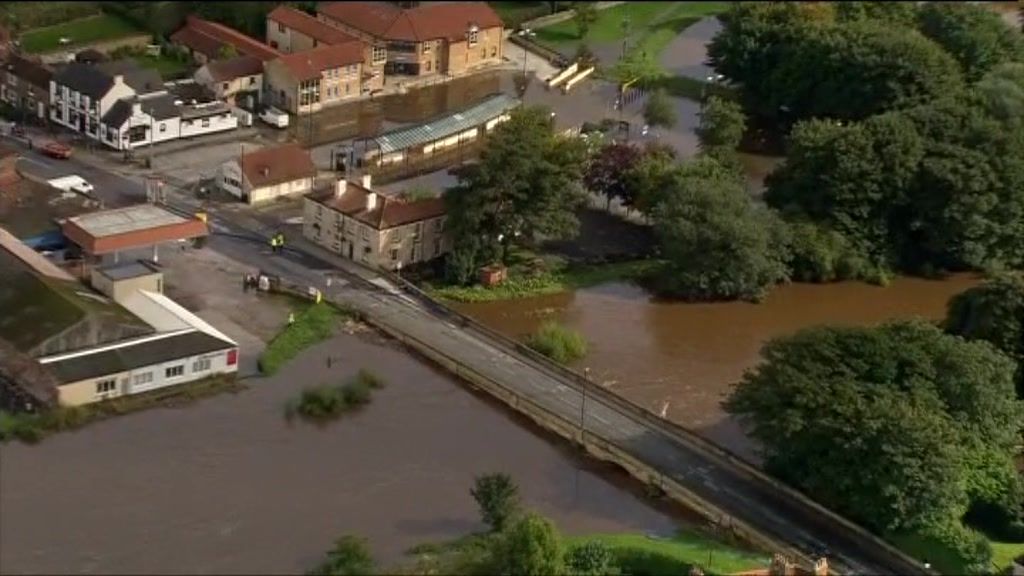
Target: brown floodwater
column 682, row 359
column 227, row 486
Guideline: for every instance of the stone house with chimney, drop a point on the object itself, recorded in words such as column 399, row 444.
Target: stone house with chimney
column 373, row 229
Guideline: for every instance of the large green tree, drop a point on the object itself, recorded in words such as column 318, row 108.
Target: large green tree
column 719, row 244
column 498, row 498
column 976, row 36
column 902, row 13
column 607, row 170
column 526, row 184
column 901, row 427
column 994, row 312
column 531, row 546
column 721, row 128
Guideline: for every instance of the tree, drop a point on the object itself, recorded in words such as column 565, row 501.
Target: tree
column 978, row 38
column 498, row 498
column 898, row 13
column 227, row 51
column 591, row 559
column 529, row 547
column 645, row 183
column 658, row 110
column 607, row 171
column 527, row 183
column 349, row 557
column 637, row 66
column 584, row 14
column 993, row 312
column 900, row 427
column 722, row 124
column 719, row 244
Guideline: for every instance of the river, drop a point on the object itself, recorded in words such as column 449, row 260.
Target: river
column 683, row 359
column 226, row 486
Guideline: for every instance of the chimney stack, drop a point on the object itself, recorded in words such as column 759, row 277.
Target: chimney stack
column 119, row 79
column 340, row 185
column 371, row 201
column 367, row 180
column 265, row 171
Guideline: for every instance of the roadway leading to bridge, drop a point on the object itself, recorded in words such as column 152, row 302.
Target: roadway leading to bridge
column 734, row 493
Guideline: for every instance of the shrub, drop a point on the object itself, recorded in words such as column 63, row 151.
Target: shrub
column 319, row 403
column 498, row 498
column 558, row 343
column 369, row 378
column 349, row 557
column 355, row 393
column 820, row 254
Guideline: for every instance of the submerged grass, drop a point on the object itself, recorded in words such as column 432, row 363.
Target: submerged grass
column 558, row 342
column 320, row 404
column 313, row 324
column 562, row 280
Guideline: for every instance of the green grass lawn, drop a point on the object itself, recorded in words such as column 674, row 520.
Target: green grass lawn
column 80, row 31
column 560, row 280
column 168, row 67
column 1003, row 553
column 652, row 25
column 314, row 323
column 642, row 554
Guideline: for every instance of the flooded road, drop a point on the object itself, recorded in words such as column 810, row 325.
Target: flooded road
column 683, row 359
column 226, row 486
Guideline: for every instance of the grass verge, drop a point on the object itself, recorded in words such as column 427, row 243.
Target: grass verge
column 323, row 403
column 1003, row 553
column 313, row 324
column 79, row 32
column 558, row 342
column 562, row 280
column 31, row 428
column 642, row 554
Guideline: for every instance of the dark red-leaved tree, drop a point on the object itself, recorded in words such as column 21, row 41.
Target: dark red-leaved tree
column 606, row 172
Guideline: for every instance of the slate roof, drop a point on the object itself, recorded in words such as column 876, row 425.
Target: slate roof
column 427, row 21
column 388, row 212
column 84, row 78
column 476, row 115
column 274, row 165
column 118, row 114
column 160, row 107
column 142, row 80
column 31, row 71
column 132, row 356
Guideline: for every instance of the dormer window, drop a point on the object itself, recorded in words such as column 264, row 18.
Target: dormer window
column 473, row 34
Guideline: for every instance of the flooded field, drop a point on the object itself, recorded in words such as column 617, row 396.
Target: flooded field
column 683, row 359
column 226, row 486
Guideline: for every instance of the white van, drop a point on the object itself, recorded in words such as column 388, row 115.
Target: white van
column 75, row 184
column 274, row 117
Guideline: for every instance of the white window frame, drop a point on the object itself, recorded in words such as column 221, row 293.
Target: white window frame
column 473, row 37
column 106, row 386
column 176, row 371
column 379, row 55
column 202, row 364
column 141, row 378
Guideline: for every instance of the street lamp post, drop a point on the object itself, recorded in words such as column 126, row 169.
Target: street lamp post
column 525, row 33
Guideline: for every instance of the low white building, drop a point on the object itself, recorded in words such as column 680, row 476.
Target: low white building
column 152, row 119
column 82, row 94
column 268, row 173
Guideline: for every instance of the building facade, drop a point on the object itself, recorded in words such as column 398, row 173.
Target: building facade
column 431, row 38
column 381, row 232
column 268, row 173
column 307, row 82
column 235, row 80
column 25, row 85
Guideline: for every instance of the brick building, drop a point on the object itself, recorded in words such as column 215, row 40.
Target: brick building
column 432, row 38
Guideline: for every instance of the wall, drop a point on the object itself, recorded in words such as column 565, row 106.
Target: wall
column 402, row 238
column 242, row 84
column 84, row 391
column 282, row 40
column 218, row 123
column 119, row 289
column 275, row 80
column 340, row 86
column 231, row 171
column 462, row 57
column 293, row 188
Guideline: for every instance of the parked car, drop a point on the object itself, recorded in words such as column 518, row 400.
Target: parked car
column 56, row 150
column 72, row 183
column 274, row 117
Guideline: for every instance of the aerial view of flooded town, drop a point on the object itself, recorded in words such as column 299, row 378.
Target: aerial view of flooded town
column 522, row 288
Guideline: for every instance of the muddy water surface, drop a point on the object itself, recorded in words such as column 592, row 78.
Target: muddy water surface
column 226, row 486
column 682, row 359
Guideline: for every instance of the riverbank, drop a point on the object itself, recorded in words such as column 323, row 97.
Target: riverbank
column 566, row 278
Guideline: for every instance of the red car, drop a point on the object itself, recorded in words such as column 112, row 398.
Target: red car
column 57, row 150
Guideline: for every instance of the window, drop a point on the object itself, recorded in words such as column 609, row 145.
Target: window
column 417, row 229
column 394, row 254
column 438, row 225
column 280, row 28
column 143, row 378
column 364, row 233
column 201, row 365
column 426, row 47
column 437, row 246
column 348, row 89
column 224, row 86
column 105, row 386
column 473, row 36
column 428, row 65
column 494, row 51
column 163, row 127
column 380, row 54
column 252, row 80
column 206, row 122
column 174, row 371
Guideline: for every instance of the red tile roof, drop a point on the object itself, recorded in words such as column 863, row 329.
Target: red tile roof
column 309, row 64
column 308, row 25
column 274, row 165
column 207, row 38
column 428, row 21
column 388, row 212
